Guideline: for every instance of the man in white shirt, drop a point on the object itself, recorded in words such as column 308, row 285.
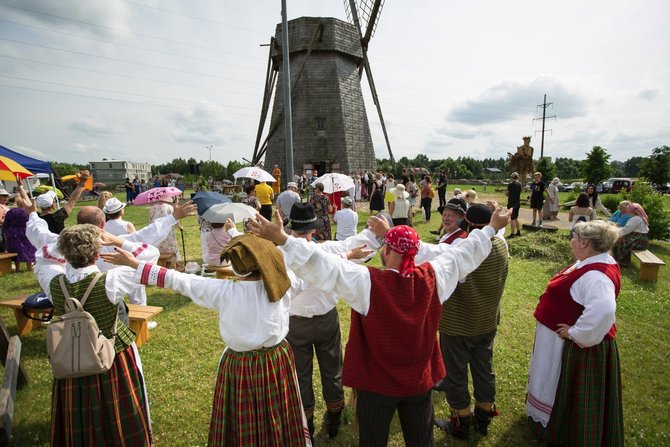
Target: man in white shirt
column 286, row 199
column 346, row 220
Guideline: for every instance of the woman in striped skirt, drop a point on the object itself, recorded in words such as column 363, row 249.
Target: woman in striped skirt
column 102, row 409
column 256, row 397
column 574, row 384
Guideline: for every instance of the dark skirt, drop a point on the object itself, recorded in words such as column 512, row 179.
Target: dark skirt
column 626, row 244
column 102, row 409
column 14, row 234
column 588, row 407
column 257, row 401
column 377, row 201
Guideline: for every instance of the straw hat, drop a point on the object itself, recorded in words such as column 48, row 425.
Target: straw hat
column 399, row 191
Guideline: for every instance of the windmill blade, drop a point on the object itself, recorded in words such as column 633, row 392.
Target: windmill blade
column 270, row 78
column 366, row 63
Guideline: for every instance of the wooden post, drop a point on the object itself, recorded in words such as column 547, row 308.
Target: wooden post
column 4, row 349
column 9, row 389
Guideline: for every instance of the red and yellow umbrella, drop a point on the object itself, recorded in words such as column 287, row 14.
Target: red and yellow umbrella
column 11, row 170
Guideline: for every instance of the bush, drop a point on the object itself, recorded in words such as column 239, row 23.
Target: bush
column 611, row 201
column 652, row 202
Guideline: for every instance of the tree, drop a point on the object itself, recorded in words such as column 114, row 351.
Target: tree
column 547, row 168
column 596, row 167
column 617, row 168
column 67, row 168
column 656, row 168
column 567, row 168
column 632, row 166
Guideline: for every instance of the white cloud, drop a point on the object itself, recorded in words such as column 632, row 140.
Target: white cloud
column 92, row 127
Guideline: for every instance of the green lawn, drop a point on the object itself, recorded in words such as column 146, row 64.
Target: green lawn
column 181, row 357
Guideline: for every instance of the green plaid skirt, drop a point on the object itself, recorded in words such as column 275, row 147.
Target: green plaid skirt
column 588, row 409
column 626, row 244
column 103, row 409
column 256, row 400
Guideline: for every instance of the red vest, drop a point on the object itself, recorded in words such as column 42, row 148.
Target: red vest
column 394, row 349
column 458, row 234
column 557, row 306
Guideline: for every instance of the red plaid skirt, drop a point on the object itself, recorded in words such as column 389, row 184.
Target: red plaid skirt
column 256, row 400
column 103, row 409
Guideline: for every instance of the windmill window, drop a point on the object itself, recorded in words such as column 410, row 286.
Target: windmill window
column 320, row 123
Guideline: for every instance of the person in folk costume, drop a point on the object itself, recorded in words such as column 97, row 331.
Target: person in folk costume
column 138, row 242
column 574, row 380
column 634, row 235
column 101, row 409
column 315, row 323
column 450, row 229
column 169, row 246
column 386, row 373
column 468, row 327
column 276, row 173
column 256, row 396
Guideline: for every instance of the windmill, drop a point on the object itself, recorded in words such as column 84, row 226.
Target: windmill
column 330, row 124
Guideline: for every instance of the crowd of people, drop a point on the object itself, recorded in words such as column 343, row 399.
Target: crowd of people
column 287, row 287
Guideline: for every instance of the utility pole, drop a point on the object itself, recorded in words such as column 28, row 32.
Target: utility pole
column 288, row 120
column 544, row 106
column 210, row 151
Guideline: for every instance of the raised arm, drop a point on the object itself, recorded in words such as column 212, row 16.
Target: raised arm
column 72, row 200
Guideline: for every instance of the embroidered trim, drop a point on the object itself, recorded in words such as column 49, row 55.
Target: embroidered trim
column 140, row 249
column 47, row 255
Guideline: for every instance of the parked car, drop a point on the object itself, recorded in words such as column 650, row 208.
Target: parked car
column 579, row 186
column 621, row 184
column 663, row 188
column 604, row 187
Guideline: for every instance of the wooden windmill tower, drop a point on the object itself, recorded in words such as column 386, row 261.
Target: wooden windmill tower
column 330, row 123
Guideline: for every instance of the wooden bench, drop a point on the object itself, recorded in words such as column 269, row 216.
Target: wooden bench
column 649, row 265
column 138, row 317
column 6, row 260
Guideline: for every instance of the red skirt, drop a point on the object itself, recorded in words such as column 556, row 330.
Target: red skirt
column 256, row 400
column 102, row 409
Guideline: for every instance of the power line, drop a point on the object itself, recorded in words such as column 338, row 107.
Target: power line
column 136, row 47
column 81, row 53
column 202, row 19
column 60, row 84
column 109, row 28
column 102, row 98
column 71, row 67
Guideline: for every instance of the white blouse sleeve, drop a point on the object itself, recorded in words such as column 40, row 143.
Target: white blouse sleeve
column 595, row 291
column 460, row 260
column 329, row 272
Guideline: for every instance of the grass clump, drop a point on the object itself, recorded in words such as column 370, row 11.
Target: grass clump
column 542, row 245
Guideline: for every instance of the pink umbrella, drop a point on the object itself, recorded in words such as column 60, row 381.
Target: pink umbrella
column 156, row 194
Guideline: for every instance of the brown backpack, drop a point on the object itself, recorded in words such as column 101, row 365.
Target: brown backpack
column 75, row 345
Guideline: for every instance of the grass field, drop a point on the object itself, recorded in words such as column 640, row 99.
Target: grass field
column 181, row 357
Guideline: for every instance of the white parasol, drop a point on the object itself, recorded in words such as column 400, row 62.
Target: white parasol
column 334, row 181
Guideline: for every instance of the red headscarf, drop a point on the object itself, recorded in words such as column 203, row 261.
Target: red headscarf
column 404, row 240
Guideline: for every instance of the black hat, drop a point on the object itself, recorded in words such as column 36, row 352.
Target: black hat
column 457, row 205
column 303, row 217
column 478, row 215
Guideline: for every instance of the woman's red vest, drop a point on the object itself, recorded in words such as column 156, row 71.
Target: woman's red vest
column 557, row 306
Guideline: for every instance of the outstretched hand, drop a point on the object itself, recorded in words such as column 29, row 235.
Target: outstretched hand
column 120, row 257
column 500, row 218
column 110, row 239
column 229, row 225
column 187, row 209
column 378, row 225
column 272, row 231
column 360, row 252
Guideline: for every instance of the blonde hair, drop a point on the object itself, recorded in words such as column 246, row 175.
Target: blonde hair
column 104, row 197
column 79, row 244
column 602, row 235
column 470, row 194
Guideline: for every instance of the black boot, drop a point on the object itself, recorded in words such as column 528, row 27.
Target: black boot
column 457, row 426
column 333, row 420
column 483, row 419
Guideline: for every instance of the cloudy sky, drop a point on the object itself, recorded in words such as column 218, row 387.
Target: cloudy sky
column 150, row 80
